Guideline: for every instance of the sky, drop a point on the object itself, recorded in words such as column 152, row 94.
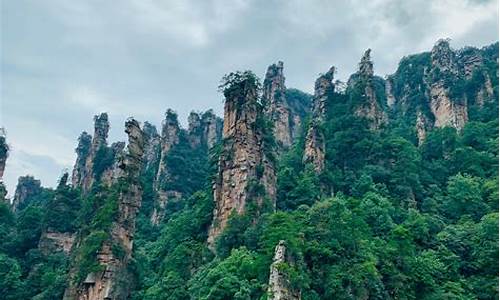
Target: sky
column 63, row 61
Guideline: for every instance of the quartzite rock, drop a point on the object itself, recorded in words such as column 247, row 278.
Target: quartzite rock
column 279, row 287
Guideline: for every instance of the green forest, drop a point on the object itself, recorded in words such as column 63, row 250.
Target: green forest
column 401, row 207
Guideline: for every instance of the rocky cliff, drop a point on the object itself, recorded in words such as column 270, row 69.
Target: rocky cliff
column 204, row 129
column 85, row 169
column 276, row 108
column 113, row 279
column 169, row 138
column 27, row 188
column 4, row 152
column 314, row 152
column 286, row 112
column 246, row 167
column 448, row 107
column 363, row 85
column 279, row 287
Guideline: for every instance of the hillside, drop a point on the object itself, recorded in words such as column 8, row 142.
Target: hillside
column 376, row 188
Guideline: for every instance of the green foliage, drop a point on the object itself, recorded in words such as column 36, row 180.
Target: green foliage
column 103, row 160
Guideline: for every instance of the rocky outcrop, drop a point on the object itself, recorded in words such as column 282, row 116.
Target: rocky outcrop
column 314, row 152
column 152, row 142
column 246, row 165
column 87, row 149
column 279, row 287
column 275, row 105
column 53, row 241
column 82, row 154
column 371, row 108
column 113, row 282
column 27, row 187
column 204, row 129
column 4, row 152
column 446, row 111
column 169, row 138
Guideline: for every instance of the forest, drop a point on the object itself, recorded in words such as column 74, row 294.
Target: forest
column 376, row 188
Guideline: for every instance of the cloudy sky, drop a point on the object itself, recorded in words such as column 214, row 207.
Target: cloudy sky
column 64, row 61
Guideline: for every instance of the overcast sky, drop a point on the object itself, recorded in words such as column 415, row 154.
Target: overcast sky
column 64, row 61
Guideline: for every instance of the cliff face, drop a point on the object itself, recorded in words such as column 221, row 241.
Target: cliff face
column 169, row 137
column 446, row 111
column 279, row 286
column 244, row 164
column 204, row 130
column 314, row 152
column 438, row 88
column 27, row 187
column 87, row 151
column 82, row 154
column 275, row 104
column 370, row 108
column 285, row 112
column 4, row 152
column 113, row 282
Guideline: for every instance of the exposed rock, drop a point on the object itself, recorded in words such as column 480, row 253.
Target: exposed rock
column 4, row 152
column 391, row 100
column 51, row 242
column 212, row 128
column 169, row 138
column 279, row 285
column 27, row 187
column 82, row 154
column 421, row 127
column 204, row 130
column 114, row 281
column 101, row 129
column 152, row 142
column 370, row 109
column 314, row 151
column 245, row 162
column 275, row 104
column 111, row 174
column 446, row 111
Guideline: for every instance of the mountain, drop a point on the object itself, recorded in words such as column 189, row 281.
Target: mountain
column 376, row 188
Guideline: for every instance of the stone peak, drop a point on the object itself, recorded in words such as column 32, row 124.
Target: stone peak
column 275, row 70
column 324, row 82
column 443, row 57
column 366, row 64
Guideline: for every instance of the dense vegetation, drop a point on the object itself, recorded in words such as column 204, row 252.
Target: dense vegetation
column 386, row 219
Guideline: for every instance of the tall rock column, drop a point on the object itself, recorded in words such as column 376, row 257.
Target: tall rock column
column 101, row 129
column 27, row 187
column 446, row 111
column 279, row 286
column 169, row 137
column 113, row 282
column 371, row 108
column 4, row 152
column 82, row 154
column 245, row 162
column 314, row 152
column 275, row 104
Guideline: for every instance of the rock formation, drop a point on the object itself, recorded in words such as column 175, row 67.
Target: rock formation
column 275, row 105
column 151, row 146
column 371, row 108
column 4, row 152
column 204, row 129
column 246, row 164
column 27, row 187
column 113, row 281
column 314, row 152
column 286, row 113
column 83, row 171
column 279, row 286
column 446, row 111
column 82, row 154
column 169, row 137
